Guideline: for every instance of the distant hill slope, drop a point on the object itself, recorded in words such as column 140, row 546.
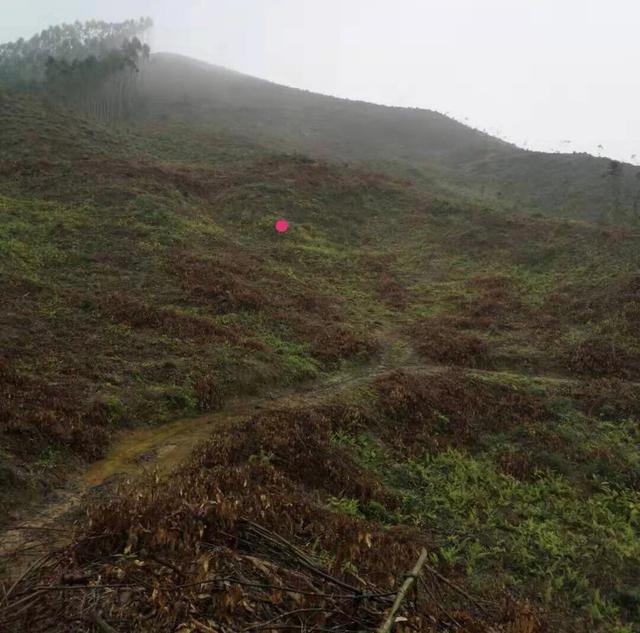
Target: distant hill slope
column 327, row 125
column 421, row 144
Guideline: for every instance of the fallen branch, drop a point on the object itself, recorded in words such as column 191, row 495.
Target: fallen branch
column 459, row 590
column 232, row 580
column 435, row 601
column 25, row 573
column 402, row 594
column 297, row 554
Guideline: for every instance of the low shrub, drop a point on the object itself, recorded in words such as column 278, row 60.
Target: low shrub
column 441, row 342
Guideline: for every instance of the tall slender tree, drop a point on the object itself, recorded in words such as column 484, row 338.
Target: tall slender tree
column 615, row 173
column 91, row 65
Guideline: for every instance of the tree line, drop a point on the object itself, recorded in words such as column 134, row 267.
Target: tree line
column 91, row 65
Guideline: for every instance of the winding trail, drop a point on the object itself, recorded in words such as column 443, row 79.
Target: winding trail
column 44, row 526
column 47, row 524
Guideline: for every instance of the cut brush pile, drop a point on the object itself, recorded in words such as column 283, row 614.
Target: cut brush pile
column 242, row 538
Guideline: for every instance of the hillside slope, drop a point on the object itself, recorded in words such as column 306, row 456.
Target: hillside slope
column 350, row 129
column 471, row 375
column 420, row 144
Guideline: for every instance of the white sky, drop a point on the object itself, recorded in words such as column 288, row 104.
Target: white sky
column 538, row 72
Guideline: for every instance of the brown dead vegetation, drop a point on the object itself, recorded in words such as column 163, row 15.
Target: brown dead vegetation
column 113, row 181
column 432, row 411
column 438, row 340
column 239, row 538
column 231, row 284
column 608, row 398
column 124, row 308
column 390, row 289
column 35, row 414
column 496, row 303
column 490, row 232
column 302, row 171
column 601, row 356
column 331, row 343
column 618, row 300
column 298, row 443
column 109, row 181
column 223, row 285
column 209, row 392
column 392, row 292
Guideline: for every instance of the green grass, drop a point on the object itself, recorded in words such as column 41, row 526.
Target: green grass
column 546, row 537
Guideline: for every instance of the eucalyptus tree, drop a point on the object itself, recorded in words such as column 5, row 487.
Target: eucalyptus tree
column 91, row 65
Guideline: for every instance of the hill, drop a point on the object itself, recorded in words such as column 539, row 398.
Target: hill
column 422, row 145
column 401, row 369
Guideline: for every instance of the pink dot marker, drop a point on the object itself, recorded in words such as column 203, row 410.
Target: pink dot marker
column 282, row 226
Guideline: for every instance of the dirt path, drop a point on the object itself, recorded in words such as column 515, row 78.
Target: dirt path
column 41, row 528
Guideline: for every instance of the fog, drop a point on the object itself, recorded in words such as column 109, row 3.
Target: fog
column 544, row 74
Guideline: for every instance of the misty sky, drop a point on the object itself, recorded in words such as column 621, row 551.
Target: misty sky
column 536, row 72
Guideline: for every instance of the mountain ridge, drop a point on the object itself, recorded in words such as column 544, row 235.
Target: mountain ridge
column 419, row 143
